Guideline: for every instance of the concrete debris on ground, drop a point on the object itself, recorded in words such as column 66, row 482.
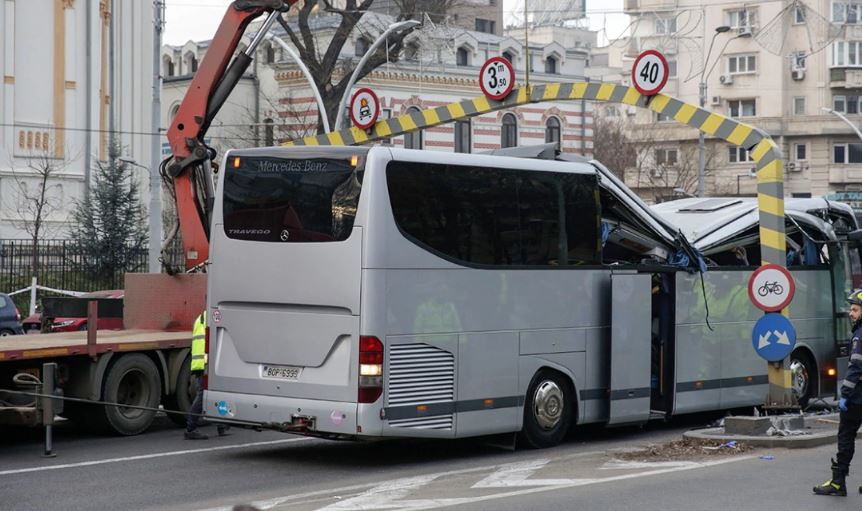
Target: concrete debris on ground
column 685, row 449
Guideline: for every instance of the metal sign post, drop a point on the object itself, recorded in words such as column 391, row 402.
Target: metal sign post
column 771, row 289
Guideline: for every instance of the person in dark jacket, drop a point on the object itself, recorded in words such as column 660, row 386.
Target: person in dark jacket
column 850, row 405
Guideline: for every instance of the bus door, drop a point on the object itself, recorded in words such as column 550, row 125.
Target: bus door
column 630, row 348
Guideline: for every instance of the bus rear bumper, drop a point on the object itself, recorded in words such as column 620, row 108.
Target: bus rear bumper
column 283, row 413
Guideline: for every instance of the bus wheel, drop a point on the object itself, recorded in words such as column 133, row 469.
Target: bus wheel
column 802, row 377
column 132, row 380
column 547, row 411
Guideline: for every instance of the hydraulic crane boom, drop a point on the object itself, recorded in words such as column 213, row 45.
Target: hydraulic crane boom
column 210, row 87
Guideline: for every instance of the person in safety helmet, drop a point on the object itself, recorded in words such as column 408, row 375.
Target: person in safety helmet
column 850, row 405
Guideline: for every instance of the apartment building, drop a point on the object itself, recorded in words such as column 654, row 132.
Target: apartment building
column 775, row 65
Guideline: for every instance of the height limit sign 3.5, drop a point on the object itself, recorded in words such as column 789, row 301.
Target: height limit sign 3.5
column 650, row 72
column 496, row 78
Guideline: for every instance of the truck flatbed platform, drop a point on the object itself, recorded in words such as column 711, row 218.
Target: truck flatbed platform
column 34, row 346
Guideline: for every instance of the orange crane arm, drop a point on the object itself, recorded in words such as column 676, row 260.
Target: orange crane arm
column 212, row 84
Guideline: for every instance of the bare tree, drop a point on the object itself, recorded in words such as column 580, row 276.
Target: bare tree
column 613, row 146
column 666, row 167
column 37, row 199
column 328, row 62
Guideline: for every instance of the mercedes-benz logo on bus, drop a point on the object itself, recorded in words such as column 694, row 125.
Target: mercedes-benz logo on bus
column 285, row 235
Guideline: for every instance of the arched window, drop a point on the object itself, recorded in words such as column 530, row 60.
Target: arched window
column 411, row 52
column 413, row 140
column 174, row 110
column 551, row 65
column 462, row 57
column 269, row 54
column 268, row 132
column 552, row 131
column 362, row 46
column 167, row 66
column 509, row 134
column 190, row 63
column 462, row 136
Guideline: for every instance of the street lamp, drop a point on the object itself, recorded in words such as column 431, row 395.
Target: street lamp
column 155, row 212
column 395, row 27
column 704, row 75
column 320, row 106
column 843, row 118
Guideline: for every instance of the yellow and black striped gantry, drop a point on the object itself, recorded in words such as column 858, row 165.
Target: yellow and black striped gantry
column 766, row 154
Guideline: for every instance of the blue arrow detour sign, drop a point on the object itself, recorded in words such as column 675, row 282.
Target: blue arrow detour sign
column 773, row 337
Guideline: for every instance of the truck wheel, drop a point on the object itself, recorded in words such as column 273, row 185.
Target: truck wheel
column 132, row 380
column 547, row 411
column 181, row 398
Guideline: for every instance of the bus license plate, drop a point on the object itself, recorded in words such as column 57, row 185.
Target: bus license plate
column 281, row 372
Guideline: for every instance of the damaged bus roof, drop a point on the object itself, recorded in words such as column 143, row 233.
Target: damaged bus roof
column 714, row 223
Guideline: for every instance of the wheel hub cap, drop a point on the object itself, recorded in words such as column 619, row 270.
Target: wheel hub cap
column 799, row 377
column 548, row 404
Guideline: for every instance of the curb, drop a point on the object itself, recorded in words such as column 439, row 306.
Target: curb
column 817, row 439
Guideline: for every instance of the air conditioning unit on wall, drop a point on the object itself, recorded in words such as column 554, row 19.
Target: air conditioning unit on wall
column 715, row 101
column 726, row 79
column 657, row 172
column 798, row 74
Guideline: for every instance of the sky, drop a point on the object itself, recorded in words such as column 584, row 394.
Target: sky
column 198, row 19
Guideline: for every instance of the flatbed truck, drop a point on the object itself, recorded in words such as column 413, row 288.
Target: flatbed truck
column 144, row 366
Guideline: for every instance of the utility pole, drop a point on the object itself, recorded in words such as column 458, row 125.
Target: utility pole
column 155, row 265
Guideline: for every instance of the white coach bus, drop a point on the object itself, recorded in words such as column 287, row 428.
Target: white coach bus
column 387, row 292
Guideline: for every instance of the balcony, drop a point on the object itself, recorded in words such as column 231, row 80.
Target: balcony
column 845, row 78
column 845, row 174
column 638, row 6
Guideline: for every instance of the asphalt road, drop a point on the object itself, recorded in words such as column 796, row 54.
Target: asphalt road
column 161, row 470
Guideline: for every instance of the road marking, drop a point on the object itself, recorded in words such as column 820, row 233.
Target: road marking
column 517, row 474
column 630, row 465
column 150, row 456
column 374, row 496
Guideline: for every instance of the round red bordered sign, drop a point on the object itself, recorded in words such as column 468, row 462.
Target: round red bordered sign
column 497, row 78
column 364, row 108
column 650, row 72
column 771, row 288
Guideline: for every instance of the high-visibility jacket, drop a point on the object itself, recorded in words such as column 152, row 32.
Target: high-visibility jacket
column 199, row 355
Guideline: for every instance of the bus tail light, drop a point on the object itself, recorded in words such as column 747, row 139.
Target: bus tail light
column 205, row 381
column 370, row 369
column 831, row 371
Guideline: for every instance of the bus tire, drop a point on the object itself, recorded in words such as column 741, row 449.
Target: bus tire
column 134, row 380
column 547, row 410
column 803, row 375
column 181, row 398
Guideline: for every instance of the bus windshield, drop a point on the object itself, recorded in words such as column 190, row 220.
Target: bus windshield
column 311, row 199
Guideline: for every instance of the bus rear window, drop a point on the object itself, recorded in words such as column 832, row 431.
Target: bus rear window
column 290, row 200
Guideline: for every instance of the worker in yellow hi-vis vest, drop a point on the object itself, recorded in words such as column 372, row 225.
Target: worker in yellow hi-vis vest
column 198, row 366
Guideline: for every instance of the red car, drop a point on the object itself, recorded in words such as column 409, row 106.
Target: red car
column 33, row 323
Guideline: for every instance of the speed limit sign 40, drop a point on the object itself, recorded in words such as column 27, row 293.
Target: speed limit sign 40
column 497, row 78
column 649, row 73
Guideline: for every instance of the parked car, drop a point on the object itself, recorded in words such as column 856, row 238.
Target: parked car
column 33, row 323
column 10, row 317
column 73, row 324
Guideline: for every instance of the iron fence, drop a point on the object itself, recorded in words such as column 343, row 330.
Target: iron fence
column 64, row 264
